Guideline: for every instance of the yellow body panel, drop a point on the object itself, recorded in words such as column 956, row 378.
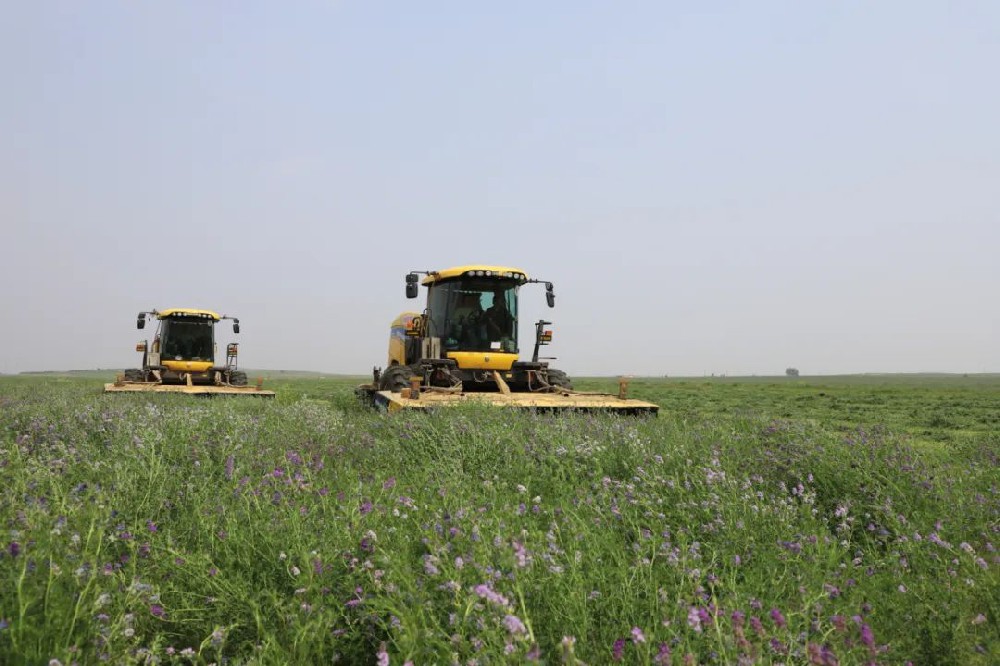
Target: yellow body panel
column 187, row 366
column 497, row 271
column 397, row 337
column 483, row 360
column 187, row 311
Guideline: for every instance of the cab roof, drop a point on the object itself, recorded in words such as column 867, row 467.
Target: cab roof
column 479, row 270
column 187, row 312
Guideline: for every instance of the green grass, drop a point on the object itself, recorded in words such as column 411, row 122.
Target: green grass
column 769, row 520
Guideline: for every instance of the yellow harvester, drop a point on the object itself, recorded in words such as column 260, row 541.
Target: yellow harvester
column 181, row 358
column 464, row 347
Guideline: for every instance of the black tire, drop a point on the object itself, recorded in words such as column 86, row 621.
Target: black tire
column 238, row 378
column 395, row 378
column 560, row 379
column 134, row 375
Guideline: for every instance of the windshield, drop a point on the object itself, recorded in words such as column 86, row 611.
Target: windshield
column 473, row 314
column 188, row 340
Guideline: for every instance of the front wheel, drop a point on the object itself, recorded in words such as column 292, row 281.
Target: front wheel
column 238, row 378
column 560, row 379
column 395, row 378
column 134, row 375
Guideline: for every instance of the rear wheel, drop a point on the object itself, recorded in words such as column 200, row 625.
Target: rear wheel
column 395, row 378
column 560, row 379
column 134, row 375
column 238, row 378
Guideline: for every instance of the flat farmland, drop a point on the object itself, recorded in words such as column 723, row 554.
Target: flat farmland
column 829, row 520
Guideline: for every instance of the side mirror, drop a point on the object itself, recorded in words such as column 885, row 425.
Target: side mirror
column 550, row 297
column 140, row 321
column 412, row 289
column 236, row 326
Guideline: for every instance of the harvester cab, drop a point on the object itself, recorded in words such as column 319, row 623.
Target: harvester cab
column 465, row 345
column 182, row 356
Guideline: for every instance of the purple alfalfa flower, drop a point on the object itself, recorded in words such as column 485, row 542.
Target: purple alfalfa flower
column 389, row 483
column 638, row 636
column 821, row 655
column 486, row 592
column 738, row 619
column 382, row 657
column 839, row 622
column 14, row 549
column 358, row 598
column 293, row 457
column 157, row 610
column 366, row 508
column 868, row 636
column 618, row 650
column 793, row 547
column 230, row 467
column 778, row 647
column 756, row 625
column 514, row 625
column 779, row 619
column 662, row 657
column 521, row 556
column 694, row 619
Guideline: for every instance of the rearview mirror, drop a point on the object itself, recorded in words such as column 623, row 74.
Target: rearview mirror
column 411, row 288
column 140, row 321
column 236, row 326
column 550, row 297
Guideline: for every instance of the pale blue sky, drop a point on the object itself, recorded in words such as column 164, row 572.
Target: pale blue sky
column 713, row 187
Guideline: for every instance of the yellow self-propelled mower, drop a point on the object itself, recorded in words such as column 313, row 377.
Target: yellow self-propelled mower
column 464, row 348
column 181, row 358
